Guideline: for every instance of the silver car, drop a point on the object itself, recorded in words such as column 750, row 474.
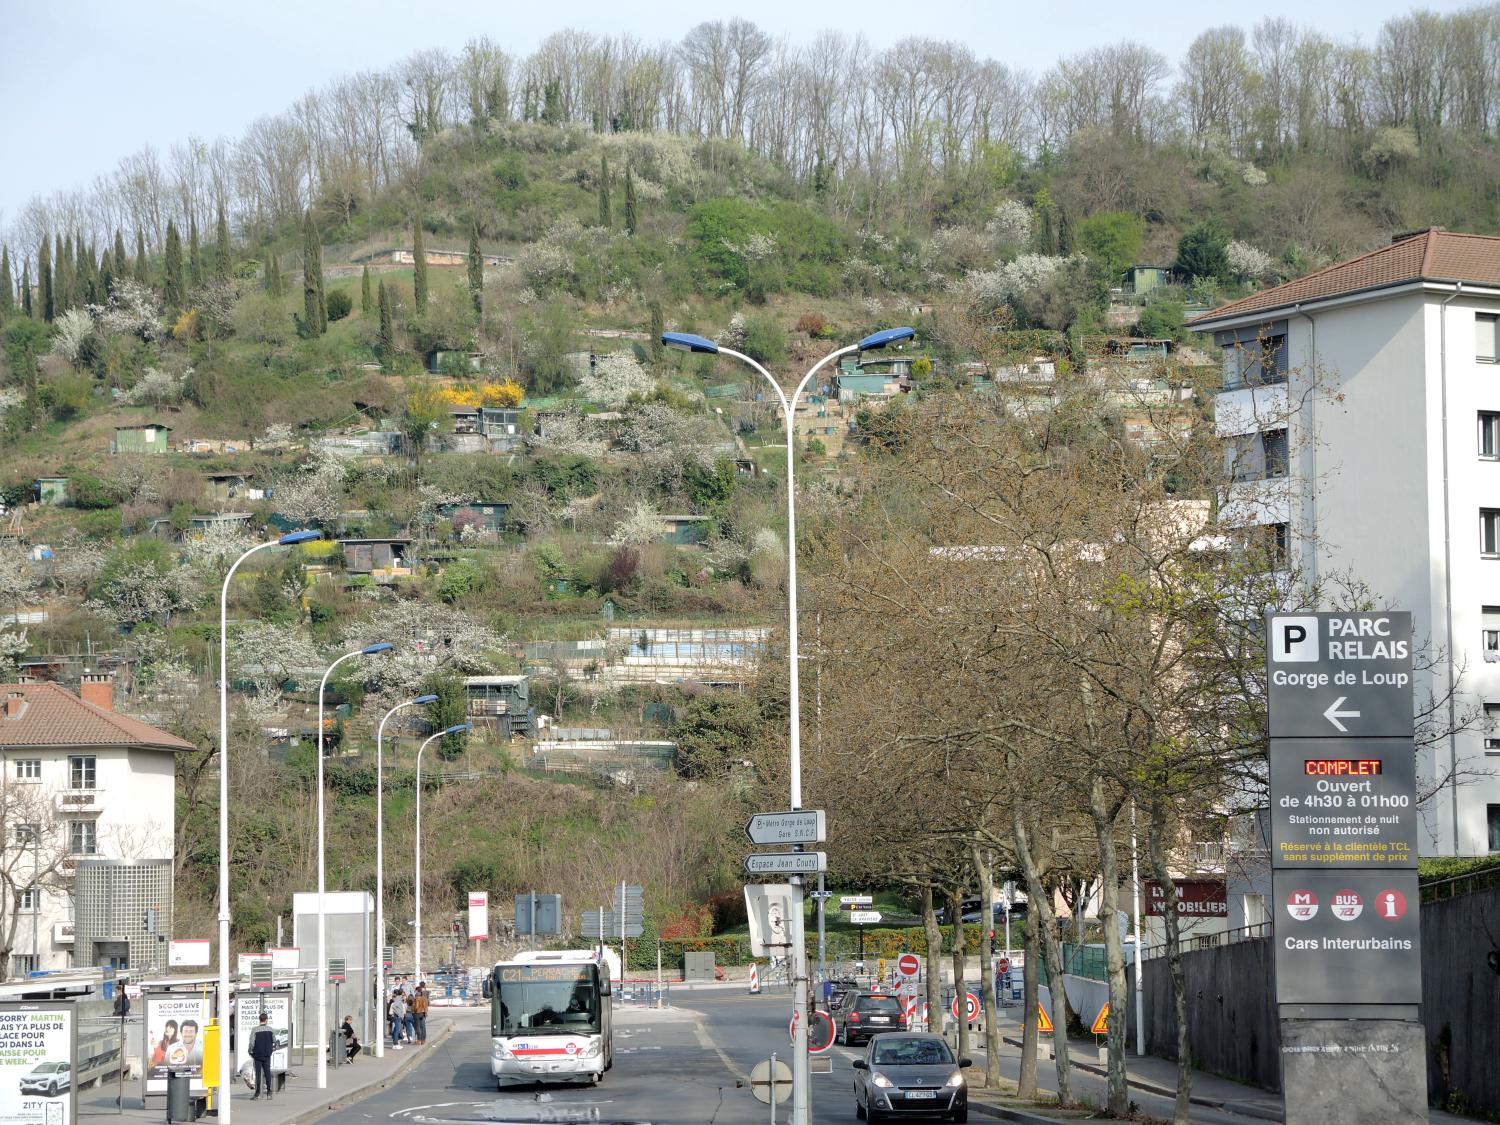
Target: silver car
column 48, row 1079
column 910, row 1075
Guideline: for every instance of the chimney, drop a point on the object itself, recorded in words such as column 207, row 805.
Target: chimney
column 15, row 704
column 98, row 688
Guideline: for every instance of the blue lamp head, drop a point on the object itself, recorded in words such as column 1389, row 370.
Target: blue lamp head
column 459, row 728
column 885, row 338
column 293, row 537
column 425, row 699
column 372, row 650
column 687, row 342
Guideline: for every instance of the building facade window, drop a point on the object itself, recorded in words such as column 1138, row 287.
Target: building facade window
column 1489, row 531
column 1489, row 435
column 27, row 834
column 23, row 964
column 1274, row 452
column 1494, row 820
column 1487, row 338
column 83, row 771
column 28, row 769
column 1489, row 634
column 31, row 901
column 83, row 835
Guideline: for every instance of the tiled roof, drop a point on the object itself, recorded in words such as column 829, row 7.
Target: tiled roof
column 55, row 717
column 1430, row 255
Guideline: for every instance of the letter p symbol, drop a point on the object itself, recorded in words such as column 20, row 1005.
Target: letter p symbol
column 1294, row 640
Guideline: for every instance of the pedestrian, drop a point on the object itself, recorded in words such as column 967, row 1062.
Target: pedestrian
column 262, row 1045
column 409, row 1024
column 398, row 1018
column 419, row 1012
column 122, row 1001
column 351, row 1041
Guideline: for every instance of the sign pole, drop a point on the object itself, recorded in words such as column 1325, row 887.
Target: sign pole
column 1135, row 910
column 822, row 935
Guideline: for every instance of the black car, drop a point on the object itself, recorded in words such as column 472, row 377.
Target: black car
column 859, row 1015
column 910, row 1075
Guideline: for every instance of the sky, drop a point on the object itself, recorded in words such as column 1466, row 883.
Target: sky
column 86, row 82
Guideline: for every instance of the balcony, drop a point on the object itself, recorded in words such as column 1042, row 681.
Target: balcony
column 62, row 933
column 77, row 801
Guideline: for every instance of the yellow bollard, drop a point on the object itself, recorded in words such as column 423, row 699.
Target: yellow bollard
column 211, row 1062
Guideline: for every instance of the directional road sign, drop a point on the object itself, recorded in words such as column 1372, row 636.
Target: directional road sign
column 786, row 863
column 865, row 917
column 1343, row 803
column 1332, row 674
column 805, row 826
column 854, row 902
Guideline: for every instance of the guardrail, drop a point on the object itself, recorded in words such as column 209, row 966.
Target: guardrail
column 1213, row 941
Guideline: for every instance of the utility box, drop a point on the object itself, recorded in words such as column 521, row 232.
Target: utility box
column 697, row 966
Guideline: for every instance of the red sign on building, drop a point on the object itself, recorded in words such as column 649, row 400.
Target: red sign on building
column 1196, row 898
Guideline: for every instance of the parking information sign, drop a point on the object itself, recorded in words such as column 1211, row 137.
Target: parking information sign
column 1343, row 813
column 40, row 1050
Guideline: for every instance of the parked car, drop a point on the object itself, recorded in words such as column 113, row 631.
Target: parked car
column 49, row 1078
column 910, row 1075
column 860, row 1015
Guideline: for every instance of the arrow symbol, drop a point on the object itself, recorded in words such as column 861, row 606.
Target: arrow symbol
column 1333, row 714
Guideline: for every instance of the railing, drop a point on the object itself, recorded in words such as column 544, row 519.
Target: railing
column 80, row 800
column 1212, row 941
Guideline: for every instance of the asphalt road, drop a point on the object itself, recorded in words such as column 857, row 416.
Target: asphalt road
column 677, row 1066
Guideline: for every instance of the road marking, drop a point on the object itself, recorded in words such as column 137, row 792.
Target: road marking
column 709, row 1045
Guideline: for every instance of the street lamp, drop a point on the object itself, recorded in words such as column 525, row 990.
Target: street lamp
column 380, row 858
column 801, row 1079
column 456, row 728
column 322, row 978
column 288, row 540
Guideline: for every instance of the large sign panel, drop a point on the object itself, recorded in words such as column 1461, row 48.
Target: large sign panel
column 1196, row 898
column 278, row 1009
column 479, row 915
column 1343, row 802
column 174, row 1036
column 1347, row 938
column 38, row 1059
column 1331, row 674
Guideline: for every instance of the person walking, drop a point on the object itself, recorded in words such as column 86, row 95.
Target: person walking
column 398, row 1018
column 419, row 1004
column 262, row 1046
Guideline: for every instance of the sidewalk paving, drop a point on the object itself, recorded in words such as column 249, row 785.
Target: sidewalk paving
column 300, row 1101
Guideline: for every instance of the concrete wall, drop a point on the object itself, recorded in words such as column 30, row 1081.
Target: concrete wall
column 1461, row 1000
column 1234, row 1031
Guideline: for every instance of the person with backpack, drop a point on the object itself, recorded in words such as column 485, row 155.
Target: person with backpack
column 397, row 1012
column 419, row 1013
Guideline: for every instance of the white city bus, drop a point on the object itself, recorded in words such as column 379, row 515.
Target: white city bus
column 550, row 1018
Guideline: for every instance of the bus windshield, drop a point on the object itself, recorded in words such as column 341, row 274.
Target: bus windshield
column 550, row 1006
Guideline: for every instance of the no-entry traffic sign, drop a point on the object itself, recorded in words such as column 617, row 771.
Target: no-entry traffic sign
column 908, row 964
column 1002, row 966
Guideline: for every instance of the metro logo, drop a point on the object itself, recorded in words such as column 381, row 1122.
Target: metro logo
column 1302, row 905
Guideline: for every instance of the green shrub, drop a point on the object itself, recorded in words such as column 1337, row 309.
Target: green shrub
column 340, row 304
column 94, row 493
column 764, row 339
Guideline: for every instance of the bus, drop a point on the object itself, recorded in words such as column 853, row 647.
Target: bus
column 550, row 1018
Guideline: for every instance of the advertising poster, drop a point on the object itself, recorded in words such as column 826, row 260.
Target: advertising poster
column 38, row 1050
column 278, row 1009
column 479, row 915
column 174, row 1036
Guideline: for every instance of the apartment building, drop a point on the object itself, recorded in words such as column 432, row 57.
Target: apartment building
column 1361, row 415
column 81, row 784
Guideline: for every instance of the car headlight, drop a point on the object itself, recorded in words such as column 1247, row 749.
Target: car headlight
column 592, row 1050
column 878, row 1079
column 499, row 1050
column 956, row 1078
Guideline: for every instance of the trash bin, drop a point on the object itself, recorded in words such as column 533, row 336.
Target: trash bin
column 336, row 1048
column 179, row 1094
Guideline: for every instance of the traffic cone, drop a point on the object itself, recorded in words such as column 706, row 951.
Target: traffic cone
column 754, row 979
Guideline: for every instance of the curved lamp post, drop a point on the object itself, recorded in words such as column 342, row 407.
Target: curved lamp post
column 801, row 1079
column 322, row 976
column 380, row 860
column 456, row 728
column 288, row 540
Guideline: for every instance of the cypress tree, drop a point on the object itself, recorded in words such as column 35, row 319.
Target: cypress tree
column 195, row 254
column 26, row 288
column 604, row 215
column 7, row 285
column 62, row 274
column 630, row 211
column 221, row 247
column 419, row 267
column 314, row 303
column 106, row 277
column 386, row 340
column 366, row 303
column 476, row 271
column 272, row 283
column 88, row 264
column 172, row 292
column 44, row 280
column 142, row 266
column 654, row 344
column 121, row 262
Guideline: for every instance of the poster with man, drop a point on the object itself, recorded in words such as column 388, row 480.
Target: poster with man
column 278, row 1009
column 174, row 1036
column 38, row 1053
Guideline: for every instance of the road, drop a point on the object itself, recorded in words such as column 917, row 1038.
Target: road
column 676, row 1066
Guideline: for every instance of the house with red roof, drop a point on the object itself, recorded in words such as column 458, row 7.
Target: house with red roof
column 86, row 791
column 1360, row 413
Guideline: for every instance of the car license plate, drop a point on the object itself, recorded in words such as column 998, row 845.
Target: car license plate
column 921, row 1093
column 880, row 1019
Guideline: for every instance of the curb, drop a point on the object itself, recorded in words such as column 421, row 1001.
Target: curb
column 1006, row 1113
column 317, row 1113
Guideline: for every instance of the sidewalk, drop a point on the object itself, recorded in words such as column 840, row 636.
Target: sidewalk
column 300, row 1101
